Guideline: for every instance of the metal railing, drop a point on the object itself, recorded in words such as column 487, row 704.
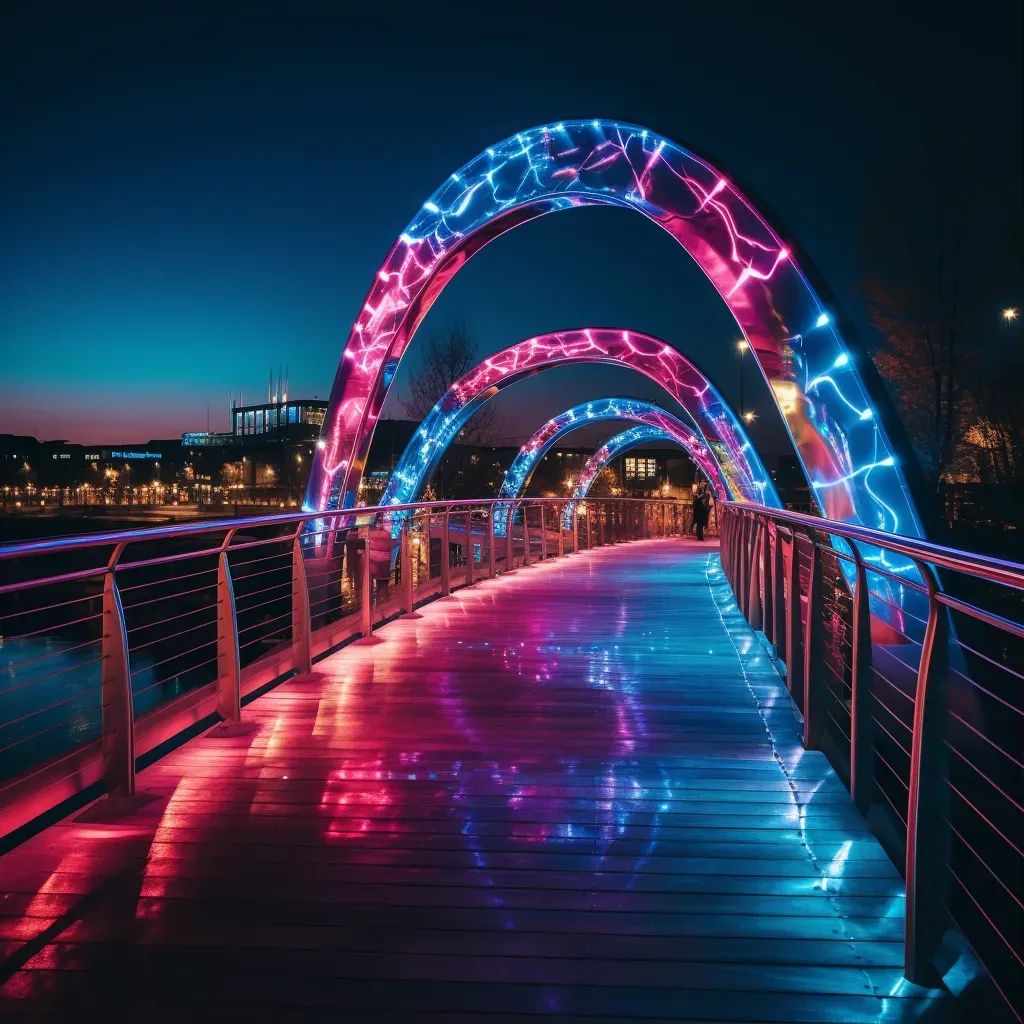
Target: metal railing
column 913, row 691
column 114, row 644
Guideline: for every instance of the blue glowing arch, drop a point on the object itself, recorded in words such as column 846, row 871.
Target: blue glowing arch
column 848, row 455
column 667, row 426
column 717, row 425
column 618, row 445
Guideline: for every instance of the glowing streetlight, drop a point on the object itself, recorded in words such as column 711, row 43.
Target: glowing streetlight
column 741, row 347
column 1010, row 314
column 749, row 417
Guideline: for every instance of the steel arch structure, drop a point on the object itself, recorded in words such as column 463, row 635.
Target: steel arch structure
column 615, row 446
column 848, row 455
column 718, row 427
column 518, row 476
column 664, row 424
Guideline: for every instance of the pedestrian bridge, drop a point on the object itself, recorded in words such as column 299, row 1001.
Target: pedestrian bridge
column 491, row 783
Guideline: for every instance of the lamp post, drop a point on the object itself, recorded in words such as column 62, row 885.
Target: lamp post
column 741, row 347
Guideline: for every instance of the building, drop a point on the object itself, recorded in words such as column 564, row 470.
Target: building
column 282, row 421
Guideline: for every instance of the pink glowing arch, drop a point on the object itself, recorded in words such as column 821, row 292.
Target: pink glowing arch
column 717, row 425
column 837, row 430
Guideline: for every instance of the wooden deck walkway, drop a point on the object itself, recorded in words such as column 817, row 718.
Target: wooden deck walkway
column 576, row 790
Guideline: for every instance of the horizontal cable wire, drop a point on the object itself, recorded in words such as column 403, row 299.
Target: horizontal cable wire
column 169, row 580
column 210, row 624
column 50, row 607
column 892, row 686
column 209, row 588
column 51, row 675
column 1016, row 898
column 895, row 774
column 50, row 707
column 261, row 591
column 895, row 809
column 173, row 657
column 50, row 728
column 986, row 819
column 970, row 764
column 51, row 629
column 168, row 682
column 170, row 618
column 1009, row 945
column 995, row 746
column 43, row 657
column 890, row 735
column 991, row 661
column 256, row 625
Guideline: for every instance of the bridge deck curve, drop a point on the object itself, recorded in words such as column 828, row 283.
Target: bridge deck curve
column 575, row 790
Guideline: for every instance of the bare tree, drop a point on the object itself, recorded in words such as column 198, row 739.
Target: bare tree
column 913, row 244
column 446, row 358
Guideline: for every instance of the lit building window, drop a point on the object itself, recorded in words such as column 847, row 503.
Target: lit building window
column 641, row 469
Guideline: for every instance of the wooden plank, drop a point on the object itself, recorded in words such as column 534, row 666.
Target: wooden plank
column 578, row 788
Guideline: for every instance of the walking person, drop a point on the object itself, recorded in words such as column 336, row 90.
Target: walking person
column 701, row 509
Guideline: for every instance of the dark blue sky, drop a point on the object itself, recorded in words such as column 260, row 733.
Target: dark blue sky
column 191, row 193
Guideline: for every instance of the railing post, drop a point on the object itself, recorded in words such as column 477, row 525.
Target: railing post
column 755, row 613
column 405, row 557
column 365, row 585
column 778, row 593
column 446, row 568
column 117, row 715
column 928, row 841
column 814, row 712
column 767, row 569
column 543, row 533
column 742, row 564
column 794, row 667
column 469, row 547
column 589, row 533
column 510, row 554
column 302, row 659
column 561, row 532
column 229, row 697
column 862, row 745
column 492, row 558
column 526, row 534
column 575, row 530
column 600, row 523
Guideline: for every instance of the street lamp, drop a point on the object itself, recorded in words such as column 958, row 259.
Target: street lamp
column 1010, row 314
column 749, row 417
column 741, row 347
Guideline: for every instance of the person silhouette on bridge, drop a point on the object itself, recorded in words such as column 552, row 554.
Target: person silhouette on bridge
column 701, row 509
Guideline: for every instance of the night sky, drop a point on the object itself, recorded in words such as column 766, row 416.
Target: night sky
column 191, row 194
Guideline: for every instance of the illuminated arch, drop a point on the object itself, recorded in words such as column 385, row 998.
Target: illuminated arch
column 667, row 426
column 612, row 448
column 846, row 452
column 717, row 425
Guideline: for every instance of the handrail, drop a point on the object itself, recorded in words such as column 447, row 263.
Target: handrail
column 33, row 547
column 312, row 597
column 996, row 570
column 846, row 659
